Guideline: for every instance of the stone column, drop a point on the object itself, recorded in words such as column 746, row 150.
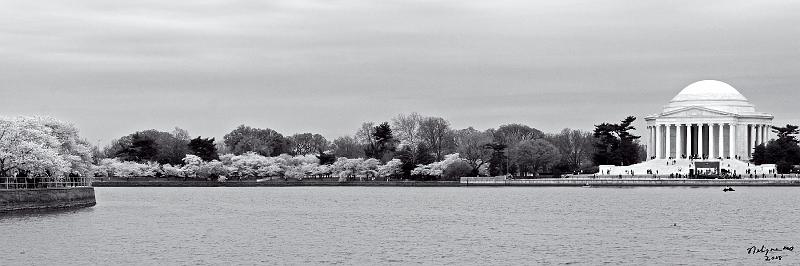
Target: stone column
column 721, row 140
column 711, row 141
column 688, row 140
column 658, row 141
column 732, row 140
column 649, row 142
column 757, row 136
column 668, row 142
column 750, row 141
column 700, row 140
column 678, row 143
column 764, row 135
column 653, row 141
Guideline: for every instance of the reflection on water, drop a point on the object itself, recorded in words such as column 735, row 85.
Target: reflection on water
column 374, row 225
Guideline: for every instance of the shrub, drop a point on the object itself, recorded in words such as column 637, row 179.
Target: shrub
column 457, row 169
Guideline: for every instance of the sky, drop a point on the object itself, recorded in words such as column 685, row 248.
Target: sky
column 116, row 67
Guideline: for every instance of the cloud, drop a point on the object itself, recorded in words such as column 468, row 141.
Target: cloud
column 327, row 66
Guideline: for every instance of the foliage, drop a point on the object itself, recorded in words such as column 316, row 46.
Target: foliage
column 423, row 155
column 406, row 128
column 392, row 168
column 118, row 168
column 498, row 161
column 383, row 144
column 355, row 168
column 511, row 134
column 783, row 151
column 472, row 146
column 406, row 157
column 326, row 158
column 615, row 145
column 458, row 169
column 533, row 155
column 204, row 148
column 787, row 134
column 436, row 133
column 266, row 142
column 576, row 148
column 151, row 145
column 307, row 143
column 348, row 147
column 435, row 169
column 172, row 171
column 192, row 164
column 42, row 146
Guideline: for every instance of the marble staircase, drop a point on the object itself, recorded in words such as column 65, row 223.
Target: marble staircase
column 664, row 167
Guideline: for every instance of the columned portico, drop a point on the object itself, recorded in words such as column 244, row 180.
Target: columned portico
column 705, row 119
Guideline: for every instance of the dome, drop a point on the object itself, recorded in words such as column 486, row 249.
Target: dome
column 711, row 94
column 709, row 90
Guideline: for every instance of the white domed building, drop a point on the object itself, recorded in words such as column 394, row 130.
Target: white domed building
column 709, row 121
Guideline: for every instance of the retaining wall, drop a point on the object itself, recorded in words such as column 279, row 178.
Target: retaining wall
column 567, row 182
column 46, row 199
column 273, row 184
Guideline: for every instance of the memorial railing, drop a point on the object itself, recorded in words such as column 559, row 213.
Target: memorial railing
column 12, row 183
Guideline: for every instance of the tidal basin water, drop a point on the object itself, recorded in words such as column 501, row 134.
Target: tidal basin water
column 401, row 225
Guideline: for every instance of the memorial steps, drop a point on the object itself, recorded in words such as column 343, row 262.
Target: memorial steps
column 665, row 167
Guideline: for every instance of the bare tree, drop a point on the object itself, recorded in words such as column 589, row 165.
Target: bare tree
column 512, row 134
column 406, row 129
column 364, row 134
column 437, row 133
column 308, row 143
column 533, row 155
column 348, row 147
column 471, row 145
column 576, row 147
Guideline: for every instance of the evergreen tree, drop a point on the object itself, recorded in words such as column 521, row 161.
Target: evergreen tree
column 141, row 148
column 266, row 142
column 784, row 151
column 326, row 158
column 615, row 145
column 204, row 148
column 424, row 155
column 384, row 143
column 406, row 156
column 498, row 161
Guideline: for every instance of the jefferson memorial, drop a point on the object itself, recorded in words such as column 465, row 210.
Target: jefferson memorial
column 708, row 125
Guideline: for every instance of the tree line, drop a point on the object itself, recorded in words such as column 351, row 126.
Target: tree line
column 412, row 139
column 411, row 146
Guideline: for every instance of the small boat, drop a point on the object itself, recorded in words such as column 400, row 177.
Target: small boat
column 586, row 186
column 727, row 189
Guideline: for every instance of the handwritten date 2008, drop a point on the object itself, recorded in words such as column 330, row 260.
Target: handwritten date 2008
column 767, row 252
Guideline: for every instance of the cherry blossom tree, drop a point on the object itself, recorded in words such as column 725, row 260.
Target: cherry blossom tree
column 42, row 146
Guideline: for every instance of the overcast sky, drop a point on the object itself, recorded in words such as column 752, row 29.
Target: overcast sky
column 115, row 67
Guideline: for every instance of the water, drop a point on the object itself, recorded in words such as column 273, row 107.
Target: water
column 376, row 226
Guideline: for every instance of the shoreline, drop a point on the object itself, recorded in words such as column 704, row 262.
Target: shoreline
column 276, row 184
column 46, row 199
column 549, row 182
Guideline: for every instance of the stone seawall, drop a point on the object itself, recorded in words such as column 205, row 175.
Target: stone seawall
column 46, row 199
column 273, row 184
column 629, row 182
